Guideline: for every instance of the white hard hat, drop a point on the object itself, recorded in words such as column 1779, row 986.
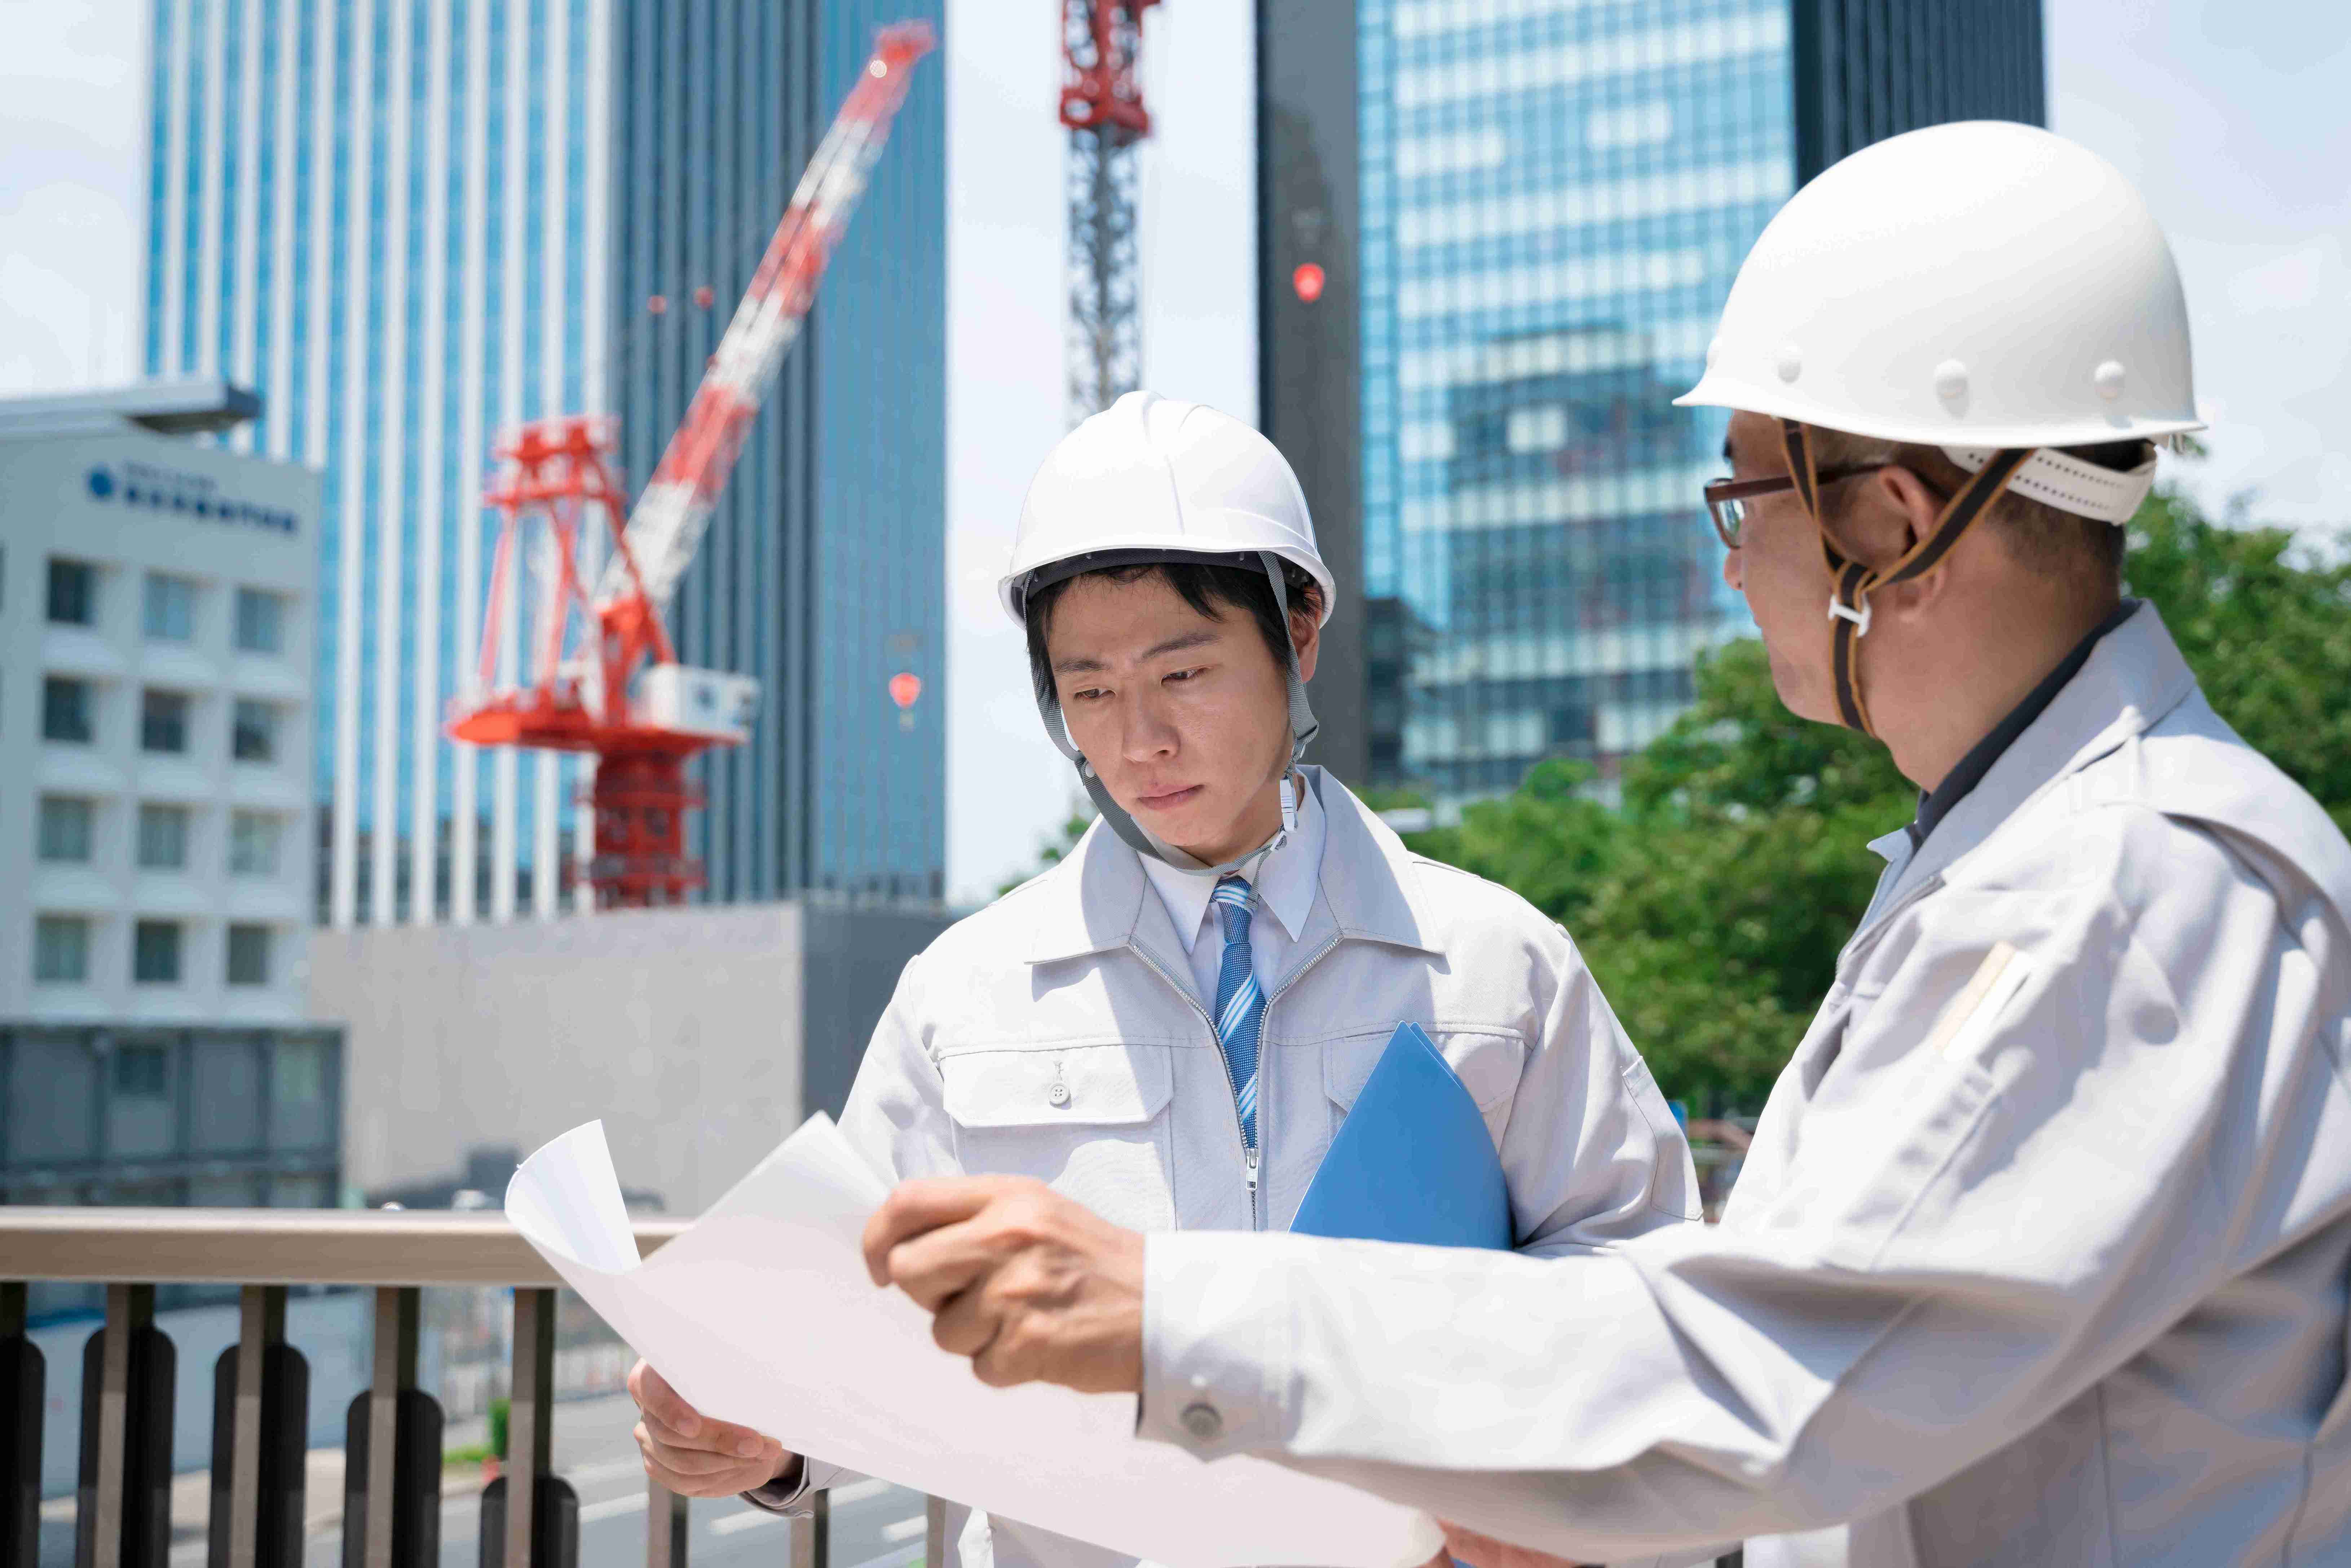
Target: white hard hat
column 1975, row 286
column 1150, row 480
column 1154, row 476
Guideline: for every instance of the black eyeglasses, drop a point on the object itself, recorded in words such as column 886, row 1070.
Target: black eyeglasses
column 1726, row 499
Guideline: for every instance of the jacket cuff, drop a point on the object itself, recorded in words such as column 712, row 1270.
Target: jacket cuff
column 1216, row 1342
column 788, row 1494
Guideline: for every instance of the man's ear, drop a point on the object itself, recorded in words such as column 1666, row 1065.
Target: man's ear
column 1306, row 641
column 1894, row 511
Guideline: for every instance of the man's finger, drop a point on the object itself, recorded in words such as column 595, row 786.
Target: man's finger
column 953, row 1260
column 964, row 1324
column 708, row 1436
column 694, row 1462
column 654, row 1396
column 915, row 1208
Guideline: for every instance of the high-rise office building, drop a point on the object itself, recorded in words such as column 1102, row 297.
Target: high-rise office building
column 411, row 224
column 1549, row 199
column 824, row 572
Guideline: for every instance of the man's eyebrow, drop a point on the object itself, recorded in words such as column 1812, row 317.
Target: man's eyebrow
column 1727, row 456
column 1178, row 644
column 1085, row 664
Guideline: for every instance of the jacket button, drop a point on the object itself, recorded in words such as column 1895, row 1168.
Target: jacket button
column 1201, row 1421
column 1059, row 1094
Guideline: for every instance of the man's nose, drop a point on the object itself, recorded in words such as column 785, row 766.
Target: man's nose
column 1146, row 731
column 1734, row 570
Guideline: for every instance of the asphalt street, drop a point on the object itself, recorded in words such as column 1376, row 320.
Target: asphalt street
column 875, row 1525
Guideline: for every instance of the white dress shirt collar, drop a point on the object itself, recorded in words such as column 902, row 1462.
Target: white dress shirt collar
column 1284, row 880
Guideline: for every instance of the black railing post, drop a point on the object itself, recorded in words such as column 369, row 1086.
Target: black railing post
column 665, row 1527
column 935, row 1532
column 545, row 1534
column 392, row 1451
column 122, row 1518
column 261, row 1432
column 812, row 1536
column 23, row 1385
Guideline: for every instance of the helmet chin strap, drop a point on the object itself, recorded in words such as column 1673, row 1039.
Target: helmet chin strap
column 1849, row 603
column 1303, row 728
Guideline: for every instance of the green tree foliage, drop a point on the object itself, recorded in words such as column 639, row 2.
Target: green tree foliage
column 1712, row 902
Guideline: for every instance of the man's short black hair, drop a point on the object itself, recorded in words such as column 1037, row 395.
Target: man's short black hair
column 1207, row 589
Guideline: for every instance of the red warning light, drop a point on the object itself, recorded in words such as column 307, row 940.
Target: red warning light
column 656, row 304
column 904, row 687
column 703, row 295
column 1308, row 281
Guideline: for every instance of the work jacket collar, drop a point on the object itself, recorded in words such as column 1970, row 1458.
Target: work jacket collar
column 2133, row 679
column 1098, row 898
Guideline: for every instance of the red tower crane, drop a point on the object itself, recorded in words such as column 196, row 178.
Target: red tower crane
column 601, row 675
column 1101, row 105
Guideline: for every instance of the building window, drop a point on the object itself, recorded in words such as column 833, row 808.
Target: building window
column 66, row 823
column 164, row 721
column 252, row 732
column 248, row 954
column 60, row 949
column 73, row 593
column 141, row 1073
column 171, row 611
column 68, row 709
column 155, row 952
column 163, row 838
column 253, row 838
column 260, row 621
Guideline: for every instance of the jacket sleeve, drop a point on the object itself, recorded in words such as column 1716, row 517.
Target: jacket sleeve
column 1592, row 1153
column 896, row 1118
column 2002, row 1194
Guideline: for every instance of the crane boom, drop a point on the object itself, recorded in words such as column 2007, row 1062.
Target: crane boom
column 667, row 527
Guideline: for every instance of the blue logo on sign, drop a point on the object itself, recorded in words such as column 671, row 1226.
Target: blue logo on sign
column 101, row 483
column 163, row 489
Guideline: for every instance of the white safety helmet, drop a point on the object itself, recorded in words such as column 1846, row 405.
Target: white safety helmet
column 1987, row 287
column 1153, row 481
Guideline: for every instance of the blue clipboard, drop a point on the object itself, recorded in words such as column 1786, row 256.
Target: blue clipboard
column 1413, row 1162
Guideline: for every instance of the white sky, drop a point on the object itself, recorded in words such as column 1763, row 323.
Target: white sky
column 2228, row 114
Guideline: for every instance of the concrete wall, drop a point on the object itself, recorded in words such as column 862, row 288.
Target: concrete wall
column 679, row 1028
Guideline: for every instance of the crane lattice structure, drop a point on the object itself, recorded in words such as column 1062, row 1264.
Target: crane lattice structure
column 1102, row 104
column 598, row 674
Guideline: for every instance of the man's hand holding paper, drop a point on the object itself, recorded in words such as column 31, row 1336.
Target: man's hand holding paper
column 1027, row 1284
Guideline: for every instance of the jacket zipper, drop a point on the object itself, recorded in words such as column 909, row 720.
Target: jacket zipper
column 1240, row 1134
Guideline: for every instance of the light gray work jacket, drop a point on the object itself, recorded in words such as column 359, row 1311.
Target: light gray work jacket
column 1056, row 1034
column 2040, row 1257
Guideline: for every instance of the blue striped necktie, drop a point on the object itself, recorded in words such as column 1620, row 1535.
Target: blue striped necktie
column 1240, row 1006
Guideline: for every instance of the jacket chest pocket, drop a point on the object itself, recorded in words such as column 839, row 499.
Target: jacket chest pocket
column 1488, row 1062
column 1090, row 1122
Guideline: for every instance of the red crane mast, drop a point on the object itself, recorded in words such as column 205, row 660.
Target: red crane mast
column 599, row 675
column 1101, row 105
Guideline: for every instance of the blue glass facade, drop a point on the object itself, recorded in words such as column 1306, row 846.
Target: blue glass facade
column 823, row 573
column 1552, row 199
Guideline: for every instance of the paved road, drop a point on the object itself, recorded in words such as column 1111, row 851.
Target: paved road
column 874, row 1525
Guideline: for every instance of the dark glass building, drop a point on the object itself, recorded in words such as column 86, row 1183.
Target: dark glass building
column 1528, row 213
column 823, row 573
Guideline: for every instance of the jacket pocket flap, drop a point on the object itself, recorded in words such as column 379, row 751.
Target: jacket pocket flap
column 1094, row 1085
column 1488, row 1062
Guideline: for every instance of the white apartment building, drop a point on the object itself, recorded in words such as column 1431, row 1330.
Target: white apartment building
column 157, row 604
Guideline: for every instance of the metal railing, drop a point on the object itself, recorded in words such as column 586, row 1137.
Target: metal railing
column 392, row 1443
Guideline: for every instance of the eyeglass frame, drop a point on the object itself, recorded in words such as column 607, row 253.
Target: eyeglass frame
column 1720, row 493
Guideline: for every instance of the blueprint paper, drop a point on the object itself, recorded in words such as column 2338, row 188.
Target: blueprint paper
column 762, row 1314
column 1413, row 1162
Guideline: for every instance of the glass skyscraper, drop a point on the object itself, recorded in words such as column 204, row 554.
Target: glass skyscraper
column 1552, row 197
column 411, row 224
column 824, row 571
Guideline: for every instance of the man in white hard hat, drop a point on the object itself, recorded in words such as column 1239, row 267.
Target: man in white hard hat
column 1169, row 1026
column 2041, row 1252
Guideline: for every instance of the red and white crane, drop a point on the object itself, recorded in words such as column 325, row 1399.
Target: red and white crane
column 1102, row 109
column 607, row 682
